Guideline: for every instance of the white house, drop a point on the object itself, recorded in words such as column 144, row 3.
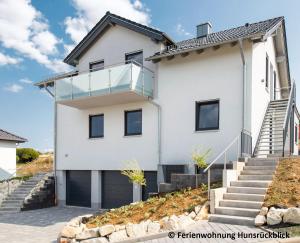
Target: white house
column 136, row 94
column 8, row 145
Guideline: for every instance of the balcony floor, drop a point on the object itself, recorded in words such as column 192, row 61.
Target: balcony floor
column 87, row 102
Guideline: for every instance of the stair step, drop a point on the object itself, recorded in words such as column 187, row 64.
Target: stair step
column 244, row 212
column 256, row 177
column 241, row 204
column 226, row 219
column 264, row 162
column 259, row 167
column 263, row 184
column 248, row 190
column 10, row 209
column 257, row 172
column 244, row 197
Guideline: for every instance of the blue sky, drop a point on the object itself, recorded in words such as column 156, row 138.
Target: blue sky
column 36, row 35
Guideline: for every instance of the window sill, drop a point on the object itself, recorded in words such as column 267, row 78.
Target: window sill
column 96, row 138
column 208, row 130
column 135, row 135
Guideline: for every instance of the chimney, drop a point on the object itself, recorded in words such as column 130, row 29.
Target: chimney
column 203, row 29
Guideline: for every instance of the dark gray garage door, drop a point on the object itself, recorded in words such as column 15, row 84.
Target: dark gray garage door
column 151, row 181
column 78, row 191
column 116, row 189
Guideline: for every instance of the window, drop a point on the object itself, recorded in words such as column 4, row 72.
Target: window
column 133, row 122
column 96, row 126
column 137, row 57
column 267, row 71
column 95, row 66
column 207, row 115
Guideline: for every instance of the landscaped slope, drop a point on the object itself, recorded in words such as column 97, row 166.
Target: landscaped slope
column 44, row 163
column 155, row 208
column 285, row 187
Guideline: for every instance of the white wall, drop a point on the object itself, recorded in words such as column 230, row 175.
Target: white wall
column 76, row 151
column 7, row 158
column 261, row 95
column 214, row 74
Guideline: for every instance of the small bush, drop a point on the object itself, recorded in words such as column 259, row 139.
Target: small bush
column 134, row 173
column 25, row 155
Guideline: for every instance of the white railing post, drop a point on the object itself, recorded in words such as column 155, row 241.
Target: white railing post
column 109, row 80
column 208, row 183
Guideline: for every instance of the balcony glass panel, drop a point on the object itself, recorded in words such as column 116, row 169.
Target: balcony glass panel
column 63, row 89
column 100, row 82
column 81, row 86
column 120, row 78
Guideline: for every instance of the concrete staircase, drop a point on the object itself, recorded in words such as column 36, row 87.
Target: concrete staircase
column 13, row 202
column 270, row 140
column 244, row 198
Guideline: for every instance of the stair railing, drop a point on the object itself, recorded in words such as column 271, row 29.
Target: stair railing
column 288, row 114
column 235, row 142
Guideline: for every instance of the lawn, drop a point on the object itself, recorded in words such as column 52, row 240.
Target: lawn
column 42, row 164
column 285, row 188
column 293, row 231
column 154, row 208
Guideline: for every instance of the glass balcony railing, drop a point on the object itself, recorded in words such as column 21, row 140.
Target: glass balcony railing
column 119, row 78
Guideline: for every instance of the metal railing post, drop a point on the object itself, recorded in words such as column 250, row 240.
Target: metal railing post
column 208, row 184
column 143, row 83
column 225, row 159
column 72, row 96
column 90, row 92
column 109, row 80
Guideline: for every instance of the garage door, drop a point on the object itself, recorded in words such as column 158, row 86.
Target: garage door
column 116, row 189
column 78, row 188
column 151, row 181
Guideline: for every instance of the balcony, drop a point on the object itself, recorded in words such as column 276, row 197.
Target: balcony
column 112, row 85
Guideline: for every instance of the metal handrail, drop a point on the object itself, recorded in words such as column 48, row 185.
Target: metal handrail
column 288, row 115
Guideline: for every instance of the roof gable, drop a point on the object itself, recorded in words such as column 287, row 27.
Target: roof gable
column 107, row 21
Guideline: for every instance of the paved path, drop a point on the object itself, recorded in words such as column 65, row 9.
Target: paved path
column 34, row 226
column 209, row 227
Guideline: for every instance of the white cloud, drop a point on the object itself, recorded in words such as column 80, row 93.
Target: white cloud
column 25, row 81
column 25, row 30
column 6, row 60
column 88, row 13
column 15, row 88
column 181, row 31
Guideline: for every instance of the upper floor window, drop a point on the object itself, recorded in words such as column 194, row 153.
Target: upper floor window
column 207, row 115
column 267, row 71
column 136, row 57
column 133, row 122
column 95, row 66
column 96, row 126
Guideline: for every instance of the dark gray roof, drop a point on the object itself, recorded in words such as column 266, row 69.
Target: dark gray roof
column 7, row 136
column 107, row 21
column 245, row 31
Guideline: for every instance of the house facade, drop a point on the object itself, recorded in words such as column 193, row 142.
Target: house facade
column 8, row 146
column 136, row 94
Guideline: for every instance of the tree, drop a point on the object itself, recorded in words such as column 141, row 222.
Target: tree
column 25, row 155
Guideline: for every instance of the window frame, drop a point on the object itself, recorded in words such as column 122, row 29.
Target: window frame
column 126, row 134
column 132, row 53
column 267, row 72
column 96, row 62
column 90, row 125
column 197, row 111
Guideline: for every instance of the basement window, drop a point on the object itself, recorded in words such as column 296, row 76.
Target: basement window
column 96, row 123
column 133, row 122
column 207, row 115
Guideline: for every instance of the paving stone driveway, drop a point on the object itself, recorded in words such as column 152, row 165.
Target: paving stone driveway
column 34, row 226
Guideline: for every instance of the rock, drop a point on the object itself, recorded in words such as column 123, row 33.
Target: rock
column 192, row 215
column 70, row 232
column 153, row 227
column 135, row 230
column 87, row 234
column 292, row 215
column 75, row 222
column 274, row 216
column 185, row 221
column 171, row 223
column 203, row 213
column 85, row 218
column 118, row 236
column 106, row 229
column 197, row 209
column 96, row 240
column 119, row 227
column 260, row 220
column 186, row 213
column 64, row 240
column 263, row 211
column 280, row 206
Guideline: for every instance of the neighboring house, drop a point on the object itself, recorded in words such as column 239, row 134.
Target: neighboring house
column 8, row 145
column 137, row 94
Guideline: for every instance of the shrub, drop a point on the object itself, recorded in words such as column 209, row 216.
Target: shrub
column 25, row 155
column 200, row 157
column 134, row 173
